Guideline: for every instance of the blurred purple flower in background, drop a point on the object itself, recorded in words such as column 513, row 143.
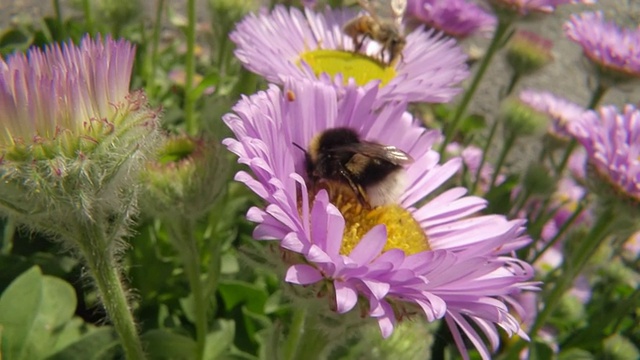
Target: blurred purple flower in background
column 457, row 18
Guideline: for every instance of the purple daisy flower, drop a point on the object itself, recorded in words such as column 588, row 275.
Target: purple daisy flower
column 559, row 110
column 64, row 87
column 310, row 45
column 611, row 48
column 438, row 258
column 612, row 141
column 457, row 18
column 525, row 7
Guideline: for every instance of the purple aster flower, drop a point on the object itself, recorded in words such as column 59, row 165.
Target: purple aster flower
column 457, row 18
column 559, row 110
column 525, row 7
column 437, row 258
column 63, row 86
column 293, row 43
column 612, row 141
column 613, row 49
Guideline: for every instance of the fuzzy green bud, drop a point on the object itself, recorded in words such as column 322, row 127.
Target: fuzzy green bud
column 537, row 180
column 528, row 52
column 570, row 312
column 521, row 119
column 618, row 347
column 187, row 176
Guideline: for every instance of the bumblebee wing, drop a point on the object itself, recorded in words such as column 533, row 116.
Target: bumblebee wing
column 378, row 151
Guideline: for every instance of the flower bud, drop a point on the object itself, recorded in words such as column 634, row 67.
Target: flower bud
column 522, row 119
column 528, row 52
column 186, row 177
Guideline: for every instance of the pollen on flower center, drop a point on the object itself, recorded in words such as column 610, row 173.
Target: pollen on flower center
column 360, row 67
column 403, row 232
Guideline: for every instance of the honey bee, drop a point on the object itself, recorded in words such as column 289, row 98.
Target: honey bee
column 384, row 31
column 373, row 171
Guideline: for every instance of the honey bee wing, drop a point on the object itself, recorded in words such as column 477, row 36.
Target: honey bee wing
column 370, row 8
column 398, row 7
column 374, row 150
column 386, row 10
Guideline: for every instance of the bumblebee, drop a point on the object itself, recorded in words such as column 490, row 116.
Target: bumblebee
column 373, row 171
column 386, row 32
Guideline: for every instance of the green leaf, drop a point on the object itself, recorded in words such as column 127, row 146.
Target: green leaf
column 540, row 350
column 472, row 123
column 97, row 344
column 164, row 344
column 33, row 310
column 236, row 292
column 208, row 81
column 220, row 340
column 575, row 354
column 14, row 40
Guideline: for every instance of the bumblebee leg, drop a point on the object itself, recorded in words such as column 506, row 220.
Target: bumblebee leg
column 360, row 193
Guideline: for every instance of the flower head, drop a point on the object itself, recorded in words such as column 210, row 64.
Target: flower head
column 186, row 177
column 457, row 18
column 612, row 141
column 73, row 135
column 614, row 50
column 559, row 110
column 310, row 45
column 528, row 52
column 524, row 7
column 436, row 258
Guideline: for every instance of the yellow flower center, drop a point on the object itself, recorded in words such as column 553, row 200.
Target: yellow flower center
column 360, row 67
column 403, row 231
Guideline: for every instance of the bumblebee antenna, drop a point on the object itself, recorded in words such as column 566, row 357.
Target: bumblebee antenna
column 300, row 147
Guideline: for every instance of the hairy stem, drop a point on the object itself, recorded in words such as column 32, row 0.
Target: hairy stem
column 190, row 67
column 184, row 240
column 97, row 250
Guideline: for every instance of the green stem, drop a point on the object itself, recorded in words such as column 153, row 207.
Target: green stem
column 189, row 103
column 155, row 41
column 567, row 224
column 184, row 240
column 295, row 333
column 497, row 41
column 440, row 342
column 88, row 17
column 492, row 133
column 305, row 341
column 60, row 23
column 508, row 144
column 512, row 83
column 7, row 235
column 97, row 250
column 596, row 96
column 571, row 268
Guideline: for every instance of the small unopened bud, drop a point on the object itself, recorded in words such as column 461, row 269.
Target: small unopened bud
column 528, row 52
column 537, row 180
column 618, row 347
column 522, row 119
column 186, row 177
